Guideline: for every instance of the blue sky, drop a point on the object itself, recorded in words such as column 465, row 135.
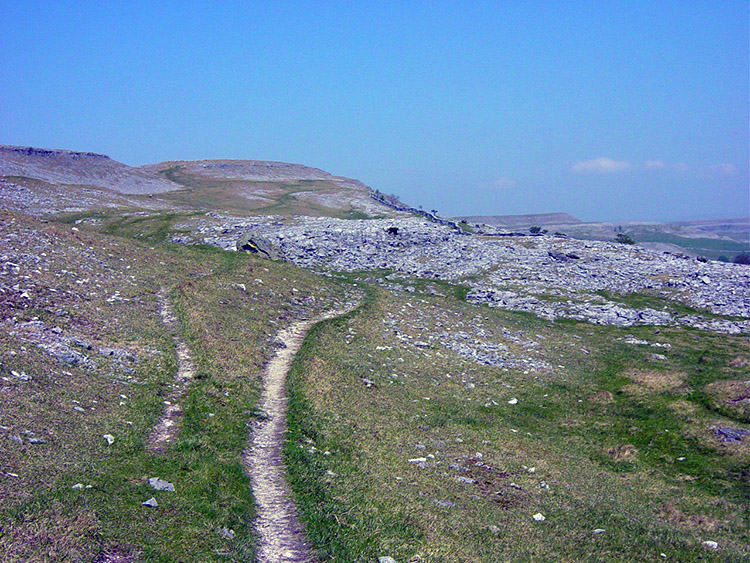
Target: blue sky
column 608, row 110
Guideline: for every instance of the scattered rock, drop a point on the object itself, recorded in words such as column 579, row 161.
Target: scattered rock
column 110, row 439
column 539, row 517
column 569, row 271
column 151, row 502
column 226, row 533
column 445, row 503
column 161, row 485
column 711, row 544
column 20, row 375
column 730, row 434
column 386, row 559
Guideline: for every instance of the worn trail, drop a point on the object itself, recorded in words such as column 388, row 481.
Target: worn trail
column 168, row 426
column 282, row 538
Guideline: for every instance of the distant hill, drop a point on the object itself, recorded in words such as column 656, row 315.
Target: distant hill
column 517, row 221
column 80, row 168
column 34, row 179
column 712, row 238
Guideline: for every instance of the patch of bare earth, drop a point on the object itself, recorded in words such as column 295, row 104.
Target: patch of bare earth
column 625, row 452
column 282, row 537
column 674, row 515
column 168, row 426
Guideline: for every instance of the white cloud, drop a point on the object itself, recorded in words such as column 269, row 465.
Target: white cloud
column 680, row 167
column 504, row 183
column 655, row 165
column 601, row 165
column 724, row 168
column 661, row 165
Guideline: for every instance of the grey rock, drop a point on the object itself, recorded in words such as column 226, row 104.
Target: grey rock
column 730, row 434
column 226, row 533
column 386, row 559
column 457, row 467
column 150, row 502
column 445, row 503
column 161, row 485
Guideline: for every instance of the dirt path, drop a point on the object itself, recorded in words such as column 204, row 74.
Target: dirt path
column 168, row 426
column 282, row 538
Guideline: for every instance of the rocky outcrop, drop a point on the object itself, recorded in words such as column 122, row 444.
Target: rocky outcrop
column 550, row 276
column 255, row 244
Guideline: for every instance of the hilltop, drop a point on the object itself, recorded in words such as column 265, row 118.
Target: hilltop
column 79, row 168
column 44, row 181
column 466, row 392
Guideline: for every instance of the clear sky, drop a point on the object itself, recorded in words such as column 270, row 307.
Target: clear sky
column 608, row 110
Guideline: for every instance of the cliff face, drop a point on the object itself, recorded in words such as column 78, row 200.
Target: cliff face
column 80, row 168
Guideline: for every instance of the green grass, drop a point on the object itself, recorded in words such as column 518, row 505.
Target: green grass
column 281, row 197
column 649, row 502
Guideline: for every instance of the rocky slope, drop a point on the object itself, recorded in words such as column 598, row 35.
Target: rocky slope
column 550, row 276
column 44, row 182
column 79, row 168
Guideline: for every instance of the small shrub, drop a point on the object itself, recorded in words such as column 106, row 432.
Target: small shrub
column 535, row 230
column 742, row 258
column 622, row 238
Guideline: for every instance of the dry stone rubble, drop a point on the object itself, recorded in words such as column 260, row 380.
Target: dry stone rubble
column 548, row 275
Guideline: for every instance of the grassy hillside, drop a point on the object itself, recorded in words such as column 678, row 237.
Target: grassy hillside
column 313, row 197
column 113, row 377
column 401, row 446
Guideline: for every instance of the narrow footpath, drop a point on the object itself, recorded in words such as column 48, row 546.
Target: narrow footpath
column 167, row 428
column 282, row 538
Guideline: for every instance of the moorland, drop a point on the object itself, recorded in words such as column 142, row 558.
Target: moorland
column 484, row 394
